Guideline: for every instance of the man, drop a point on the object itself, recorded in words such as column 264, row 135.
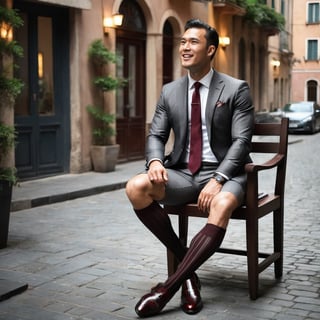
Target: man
column 216, row 181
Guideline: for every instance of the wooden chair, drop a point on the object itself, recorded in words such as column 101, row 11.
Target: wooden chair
column 255, row 207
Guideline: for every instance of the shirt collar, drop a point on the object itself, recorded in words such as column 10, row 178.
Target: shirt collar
column 205, row 81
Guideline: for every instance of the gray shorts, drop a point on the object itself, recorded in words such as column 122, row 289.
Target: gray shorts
column 182, row 187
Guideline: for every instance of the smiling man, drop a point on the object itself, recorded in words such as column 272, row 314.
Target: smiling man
column 211, row 115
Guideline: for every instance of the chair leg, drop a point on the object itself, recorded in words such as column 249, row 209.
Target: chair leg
column 172, row 262
column 252, row 256
column 183, row 229
column 278, row 241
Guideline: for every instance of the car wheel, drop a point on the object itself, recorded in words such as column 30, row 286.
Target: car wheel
column 313, row 127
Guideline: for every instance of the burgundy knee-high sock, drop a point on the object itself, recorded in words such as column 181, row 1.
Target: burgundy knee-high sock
column 158, row 222
column 202, row 247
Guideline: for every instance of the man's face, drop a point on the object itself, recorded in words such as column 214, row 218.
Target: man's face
column 194, row 54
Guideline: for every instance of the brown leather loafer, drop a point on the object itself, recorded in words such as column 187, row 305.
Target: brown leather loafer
column 152, row 303
column 191, row 302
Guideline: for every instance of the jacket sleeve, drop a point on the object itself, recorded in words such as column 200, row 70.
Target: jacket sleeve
column 159, row 132
column 233, row 132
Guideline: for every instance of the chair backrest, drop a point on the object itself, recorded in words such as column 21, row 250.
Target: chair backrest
column 273, row 138
column 278, row 145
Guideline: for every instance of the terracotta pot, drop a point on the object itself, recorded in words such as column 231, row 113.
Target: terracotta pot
column 104, row 158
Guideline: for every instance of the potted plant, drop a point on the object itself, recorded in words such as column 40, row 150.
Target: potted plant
column 104, row 154
column 104, row 151
column 10, row 87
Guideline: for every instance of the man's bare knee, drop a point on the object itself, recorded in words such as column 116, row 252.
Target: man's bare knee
column 221, row 208
column 141, row 192
column 137, row 186
column 225, row 201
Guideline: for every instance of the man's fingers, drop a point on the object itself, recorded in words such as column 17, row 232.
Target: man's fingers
column 158, row 176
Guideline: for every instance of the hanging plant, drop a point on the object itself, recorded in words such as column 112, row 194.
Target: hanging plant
column 10, row 87
column 7, row 139
column 264, row 16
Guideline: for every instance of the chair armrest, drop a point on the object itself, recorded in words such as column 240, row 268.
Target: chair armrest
column 275, row 161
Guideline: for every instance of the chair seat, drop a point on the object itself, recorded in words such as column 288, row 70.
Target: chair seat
column 268, row 203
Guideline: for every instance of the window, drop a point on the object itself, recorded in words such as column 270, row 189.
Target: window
column 314, row 12
column 282, row 7
column 312, row 50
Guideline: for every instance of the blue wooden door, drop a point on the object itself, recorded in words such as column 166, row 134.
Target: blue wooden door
column 42, row 111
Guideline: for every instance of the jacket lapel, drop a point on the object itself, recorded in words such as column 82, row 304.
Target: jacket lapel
column 182, row 103
column 215, row 90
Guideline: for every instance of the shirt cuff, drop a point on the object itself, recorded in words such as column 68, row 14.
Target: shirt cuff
column 153, row 159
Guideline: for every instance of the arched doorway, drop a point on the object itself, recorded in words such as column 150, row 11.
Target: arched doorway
column 131, row 40
column 312, row 90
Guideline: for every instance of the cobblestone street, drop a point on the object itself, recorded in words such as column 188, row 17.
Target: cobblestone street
column 91, row 258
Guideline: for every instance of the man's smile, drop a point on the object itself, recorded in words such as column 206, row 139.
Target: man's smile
column 187, row 56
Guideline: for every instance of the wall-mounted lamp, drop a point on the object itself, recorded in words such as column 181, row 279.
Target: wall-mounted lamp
column 5, row 31
column 224, row 42
column 275, row 63
column 112, row 22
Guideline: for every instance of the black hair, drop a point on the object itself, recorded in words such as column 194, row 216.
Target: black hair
column 212, row 35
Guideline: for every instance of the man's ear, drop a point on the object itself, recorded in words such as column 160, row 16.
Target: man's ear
column 211, row 50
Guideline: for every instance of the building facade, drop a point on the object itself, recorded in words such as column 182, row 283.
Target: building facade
column 280, row 58
column 54, row 127
column 306, row 48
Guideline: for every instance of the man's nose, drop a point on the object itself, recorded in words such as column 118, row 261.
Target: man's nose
column 186, row 46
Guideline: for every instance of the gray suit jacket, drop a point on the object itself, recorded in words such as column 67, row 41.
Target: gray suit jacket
column 229, row 120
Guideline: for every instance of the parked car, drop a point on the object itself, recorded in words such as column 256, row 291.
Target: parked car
column 267, row 117
column 303, row 116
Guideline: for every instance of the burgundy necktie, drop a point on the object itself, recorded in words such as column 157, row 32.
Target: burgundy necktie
column 196, row 131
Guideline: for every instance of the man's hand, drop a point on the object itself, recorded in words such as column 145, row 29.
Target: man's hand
column 157, row 172
column 211, row 189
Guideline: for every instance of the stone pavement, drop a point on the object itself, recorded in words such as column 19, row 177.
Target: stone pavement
column 90, row 258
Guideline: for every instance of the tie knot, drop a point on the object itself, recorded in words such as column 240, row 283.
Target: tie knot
column 197, row 85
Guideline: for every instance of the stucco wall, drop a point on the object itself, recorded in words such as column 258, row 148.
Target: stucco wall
column 302, row 70
column 85, row 27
